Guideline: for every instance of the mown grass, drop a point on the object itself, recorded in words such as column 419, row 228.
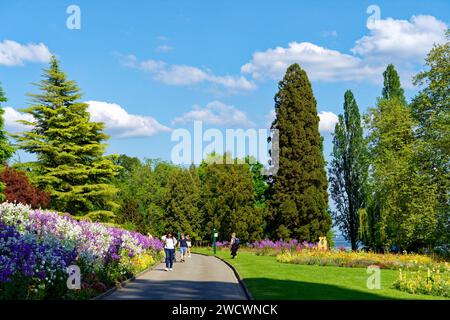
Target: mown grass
column 268, row 279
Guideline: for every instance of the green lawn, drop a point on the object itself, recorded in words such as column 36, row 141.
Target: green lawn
column 268, row 279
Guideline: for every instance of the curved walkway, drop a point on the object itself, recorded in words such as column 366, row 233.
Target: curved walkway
column 199, row 278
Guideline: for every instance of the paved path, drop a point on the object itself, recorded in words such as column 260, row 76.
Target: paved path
column 199, row 278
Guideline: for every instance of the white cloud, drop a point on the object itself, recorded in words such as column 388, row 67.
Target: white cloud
column 330, row 33
column 163, row 48
column 216, row 113
column 11, row 116
column 402, row 42
column 121, row 124
column 401, row 39
column 327, row 121
column 184, row 75
column 321, row 63
column 13, row 53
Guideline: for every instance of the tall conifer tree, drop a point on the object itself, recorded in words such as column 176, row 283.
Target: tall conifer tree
column 300, row 198
column 69, row 147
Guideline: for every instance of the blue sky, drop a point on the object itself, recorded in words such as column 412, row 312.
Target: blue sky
column 148, row 67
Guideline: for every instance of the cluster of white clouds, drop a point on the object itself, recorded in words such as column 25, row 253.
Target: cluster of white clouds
column 216, row 113
column 183, row 75
column 119, row 123
column 399, row 41
column 13, row 53
column 404, row 42
column 321, row 64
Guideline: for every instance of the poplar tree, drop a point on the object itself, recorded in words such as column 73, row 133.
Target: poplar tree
column 348, row 170
column 69, row 148
column 299, row 203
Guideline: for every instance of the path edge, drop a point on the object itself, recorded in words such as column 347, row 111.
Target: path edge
column 244, row 287
column 124, row 283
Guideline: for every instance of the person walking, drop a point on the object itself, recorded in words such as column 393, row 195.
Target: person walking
column 234, row 245
column 169, row 249
column 189, row 245
column 183, row 247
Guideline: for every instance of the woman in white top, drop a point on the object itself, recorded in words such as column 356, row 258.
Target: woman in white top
column 169, row 249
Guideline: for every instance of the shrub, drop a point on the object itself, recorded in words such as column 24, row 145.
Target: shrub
column 19, row 189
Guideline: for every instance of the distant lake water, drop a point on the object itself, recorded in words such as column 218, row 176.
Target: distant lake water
column 340, row 242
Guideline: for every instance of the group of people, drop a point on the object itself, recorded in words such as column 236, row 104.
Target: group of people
column 170, row 242
column 185, row 244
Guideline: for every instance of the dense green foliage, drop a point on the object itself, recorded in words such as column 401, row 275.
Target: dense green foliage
column 391, row 187
column 402, row 210
column 431, row 110
column 348, row 170
column 69, row 147
column 300, row 199
column 156, row 197
column 6, row 150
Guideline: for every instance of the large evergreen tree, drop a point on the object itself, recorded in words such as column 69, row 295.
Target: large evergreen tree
column 348, row 170
column 228, row 201
column 69, row 147
column 181, row 205
column 300, row 199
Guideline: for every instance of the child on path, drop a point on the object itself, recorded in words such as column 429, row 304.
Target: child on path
column 183, row 247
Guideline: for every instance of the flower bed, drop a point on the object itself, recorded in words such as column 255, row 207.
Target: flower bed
column 273, row 248
column 433, row 281
column 357, row 259
column 37, row 246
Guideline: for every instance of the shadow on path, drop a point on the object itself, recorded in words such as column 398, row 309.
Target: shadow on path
column 144, row 289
